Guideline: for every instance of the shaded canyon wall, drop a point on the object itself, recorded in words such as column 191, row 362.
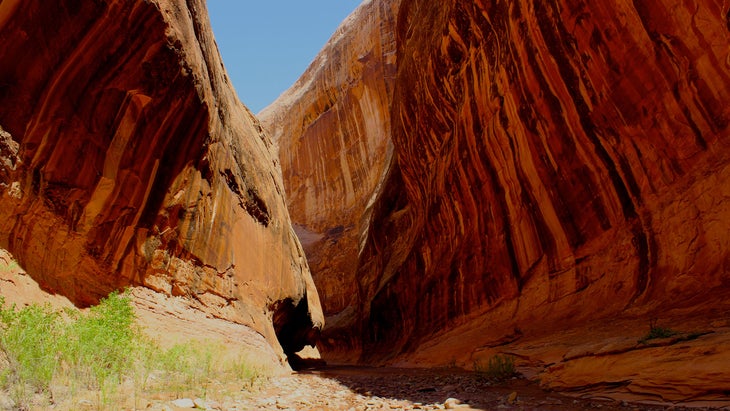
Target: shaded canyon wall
column 128, row 160
column 556, row 162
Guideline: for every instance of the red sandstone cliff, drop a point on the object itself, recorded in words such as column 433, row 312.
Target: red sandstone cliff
column 557, row 163
column 560, row 177
column 130, row 161
column 333, row 131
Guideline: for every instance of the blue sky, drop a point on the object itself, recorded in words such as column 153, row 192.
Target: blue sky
column 267, row 44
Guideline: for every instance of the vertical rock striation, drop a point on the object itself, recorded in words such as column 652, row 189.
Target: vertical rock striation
column 556, row 162
column 137, row 165
column 555, row 165
column 333, row 131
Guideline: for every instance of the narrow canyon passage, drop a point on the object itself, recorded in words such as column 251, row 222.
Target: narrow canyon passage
column 448, row 184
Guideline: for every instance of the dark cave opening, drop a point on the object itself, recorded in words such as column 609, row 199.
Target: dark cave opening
column 295, row 330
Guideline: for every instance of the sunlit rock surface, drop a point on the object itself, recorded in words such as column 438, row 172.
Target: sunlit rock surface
column 333, row 131
column 137, row 165
column 559, row 181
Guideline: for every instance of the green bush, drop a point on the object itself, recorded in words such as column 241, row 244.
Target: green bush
column 7, row 267
column 660, row 332
column 99, row 351
column 29, row 341
column 245, row 372
column 186, row 366
column 189, row 368
column 99, row 347
column 94, row 350
column 498, row 368
column 656, row 332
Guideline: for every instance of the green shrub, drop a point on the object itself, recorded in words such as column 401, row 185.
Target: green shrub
column 101, row 350
column 29, row 340
column 656, row 332
column 189, row 368
column 498, row 368
column 660, row 332
column 7, row 267
column 244, row 372
column 99, row 347
column 184, row 366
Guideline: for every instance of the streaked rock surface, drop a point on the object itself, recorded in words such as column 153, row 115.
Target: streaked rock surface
column 139, row 166
column 332, row 128
column 558, row 166
column 557, row 163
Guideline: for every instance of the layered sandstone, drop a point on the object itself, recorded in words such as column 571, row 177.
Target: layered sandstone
column 332, row 128
column 556, row 163
column 137, row 165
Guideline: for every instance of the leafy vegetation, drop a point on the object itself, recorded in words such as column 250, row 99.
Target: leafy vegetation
column 656, row 332
column 498, row 368
column 11, row 266
column 47, row 354
column 29, row 342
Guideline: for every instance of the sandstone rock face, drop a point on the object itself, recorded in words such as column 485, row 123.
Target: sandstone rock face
column 333, row 131
column 137, row 165
column 556, row 163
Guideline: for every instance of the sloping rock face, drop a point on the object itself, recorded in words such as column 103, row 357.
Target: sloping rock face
column 333, row 131
column 128, row 160
column 557, row 163
column 552, row 154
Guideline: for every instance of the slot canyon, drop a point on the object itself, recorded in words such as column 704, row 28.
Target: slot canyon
column 447, row 182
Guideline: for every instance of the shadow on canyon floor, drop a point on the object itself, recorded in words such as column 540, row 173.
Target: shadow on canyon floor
column 432, row 389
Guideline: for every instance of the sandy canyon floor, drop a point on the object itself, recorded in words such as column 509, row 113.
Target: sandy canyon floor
column 357, row 388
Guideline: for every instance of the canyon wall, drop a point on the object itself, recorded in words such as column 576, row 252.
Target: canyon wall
column 128, row 160
column 332, row 128
column 556, row 162
column 559, row 180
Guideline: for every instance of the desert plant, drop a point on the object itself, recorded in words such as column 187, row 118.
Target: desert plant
column 59, row 354
column 99, row 346
column 182, row 367
column 245, row 371
column 656, row 332
column 10, row 266
column 498, row 368
column 93, row 350
column 188, row 368
column 29, row 341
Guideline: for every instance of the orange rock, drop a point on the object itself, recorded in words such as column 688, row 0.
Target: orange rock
column 549, row 159
column 139, row 166
column 333, row 131
column 555, row 164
